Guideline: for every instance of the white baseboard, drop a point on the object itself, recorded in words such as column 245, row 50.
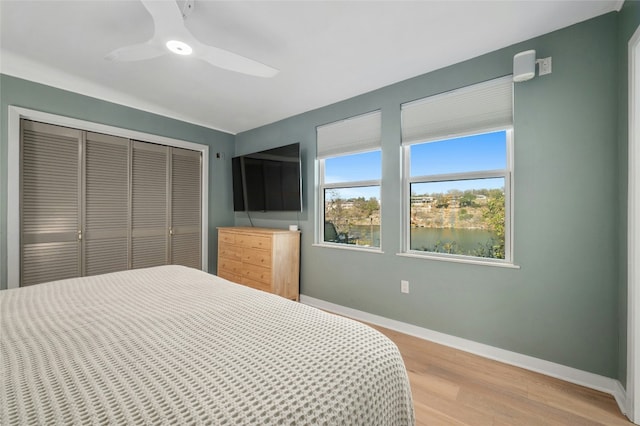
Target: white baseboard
column 620, row 395
column 569, row 374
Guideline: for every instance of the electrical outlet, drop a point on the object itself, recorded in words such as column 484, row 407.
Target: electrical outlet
column 544, row 65
column 404, row 286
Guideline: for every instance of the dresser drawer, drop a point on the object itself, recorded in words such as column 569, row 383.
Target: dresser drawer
column 257, row 273
column 231, row 252
column 257, row 257
column 227, row 275
column 229, row 266
column 226, row 238
column 256, row 284
column 254, row 241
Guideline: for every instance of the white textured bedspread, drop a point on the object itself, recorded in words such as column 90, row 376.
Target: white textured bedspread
column 173, row 345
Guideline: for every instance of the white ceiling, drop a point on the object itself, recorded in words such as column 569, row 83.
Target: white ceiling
column 326, row 51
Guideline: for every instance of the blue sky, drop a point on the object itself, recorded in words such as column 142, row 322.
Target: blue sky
column 470, row 153
column 467, row 154
column 356, row 167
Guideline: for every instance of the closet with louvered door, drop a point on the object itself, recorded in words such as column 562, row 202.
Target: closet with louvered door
column 150, row 209
column 50, row 200
column 106, row 204
column 186, row 193
column 92, row 203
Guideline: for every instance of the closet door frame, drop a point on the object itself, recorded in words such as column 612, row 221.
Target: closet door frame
column 13, row 176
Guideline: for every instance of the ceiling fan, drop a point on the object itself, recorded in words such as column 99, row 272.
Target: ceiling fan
column 171, row 35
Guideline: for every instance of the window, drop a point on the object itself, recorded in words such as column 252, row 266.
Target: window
column 458, row 188
column 350, row 171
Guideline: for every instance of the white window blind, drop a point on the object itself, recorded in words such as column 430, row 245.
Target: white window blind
column 350, row 136
column 484, row 106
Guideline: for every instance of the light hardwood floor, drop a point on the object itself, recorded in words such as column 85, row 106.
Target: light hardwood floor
column 452, row 387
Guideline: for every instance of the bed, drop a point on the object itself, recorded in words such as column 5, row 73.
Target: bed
column 174, row 345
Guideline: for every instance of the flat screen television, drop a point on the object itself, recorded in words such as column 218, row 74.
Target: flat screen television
column 268, row 180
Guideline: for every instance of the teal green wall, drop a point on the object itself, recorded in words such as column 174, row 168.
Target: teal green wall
column 26, row 94
column 562, row 304
column 628, row 22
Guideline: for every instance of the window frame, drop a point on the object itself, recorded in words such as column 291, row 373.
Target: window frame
column 320, row 211
column 506, row 173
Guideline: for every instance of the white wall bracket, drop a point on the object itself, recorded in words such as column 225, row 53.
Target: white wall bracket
column 544, row 66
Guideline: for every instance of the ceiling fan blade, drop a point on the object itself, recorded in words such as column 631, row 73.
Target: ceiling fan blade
column 136, row 52
column 167, row 22
column 169, row 25
column 167, row 18
column 230, row 61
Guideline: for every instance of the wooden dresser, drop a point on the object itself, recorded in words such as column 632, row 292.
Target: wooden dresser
column 262, row 258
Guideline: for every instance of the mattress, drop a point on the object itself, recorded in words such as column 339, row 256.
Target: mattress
column 174, row 345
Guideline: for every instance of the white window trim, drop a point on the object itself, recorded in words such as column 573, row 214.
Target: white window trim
column 353, row 184
column 13, row 176
column 351, row 247
column 507, row 173
column 320, row 242
column 633, row 229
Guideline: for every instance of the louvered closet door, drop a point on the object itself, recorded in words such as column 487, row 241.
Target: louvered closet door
column 185, row 207
column 106, row 212
column 150, row 223
column 50, row 201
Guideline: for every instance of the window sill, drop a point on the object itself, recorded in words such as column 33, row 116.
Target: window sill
column 469, row 261
column 351, row 247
